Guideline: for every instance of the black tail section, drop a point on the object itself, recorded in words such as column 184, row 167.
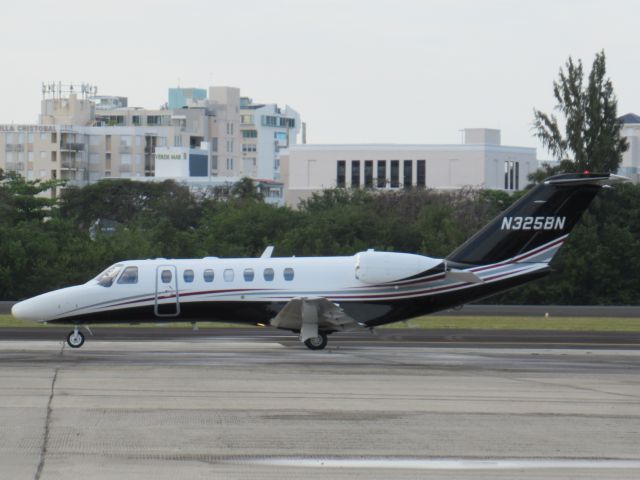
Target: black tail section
column 547, row 213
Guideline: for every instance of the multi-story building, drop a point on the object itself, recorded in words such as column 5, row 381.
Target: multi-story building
column 630, row 165
column 182, row 97
column 82, row 138
column 266, row 129
column 481, row 162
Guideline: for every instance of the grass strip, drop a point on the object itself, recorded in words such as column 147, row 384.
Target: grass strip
column 433, row 322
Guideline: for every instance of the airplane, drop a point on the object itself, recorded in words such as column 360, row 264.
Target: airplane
column 318, row 296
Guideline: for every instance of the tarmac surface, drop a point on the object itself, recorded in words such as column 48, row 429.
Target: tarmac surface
column 254, row 405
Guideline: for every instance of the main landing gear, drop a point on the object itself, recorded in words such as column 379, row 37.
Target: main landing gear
column 317, row 343
column 75, row 339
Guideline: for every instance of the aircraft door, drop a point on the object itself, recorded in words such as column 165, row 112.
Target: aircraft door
column 167, row 297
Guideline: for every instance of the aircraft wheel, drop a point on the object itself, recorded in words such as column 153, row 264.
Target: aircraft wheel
column 75, row 339
column 317, row 343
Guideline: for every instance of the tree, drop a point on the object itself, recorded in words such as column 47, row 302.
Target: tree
column 21, row 199
column 591, row 139
column 245, row 189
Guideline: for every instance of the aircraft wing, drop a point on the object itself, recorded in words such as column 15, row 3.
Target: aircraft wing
column 308, row 315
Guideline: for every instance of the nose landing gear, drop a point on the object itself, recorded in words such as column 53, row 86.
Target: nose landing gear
column 75, row 339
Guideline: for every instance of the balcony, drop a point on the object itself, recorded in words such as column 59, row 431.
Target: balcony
column 14, row 148
column 74, row 147
column 68, row 164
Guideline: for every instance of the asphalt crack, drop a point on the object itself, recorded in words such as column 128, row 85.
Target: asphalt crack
column 47, row 422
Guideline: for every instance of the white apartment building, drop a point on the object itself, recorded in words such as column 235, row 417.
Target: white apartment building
column 82, row 138
column 480, row 162
column 189, row 166
column 266, row 129
column 630, row 165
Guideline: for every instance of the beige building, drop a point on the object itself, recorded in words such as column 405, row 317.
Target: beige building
column 481, row 161
column 82, row 138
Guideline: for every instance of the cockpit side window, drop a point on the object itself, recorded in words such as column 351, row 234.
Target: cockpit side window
column 105, row 279
column 129, row 276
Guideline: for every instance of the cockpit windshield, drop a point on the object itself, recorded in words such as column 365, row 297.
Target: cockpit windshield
column 105, row 279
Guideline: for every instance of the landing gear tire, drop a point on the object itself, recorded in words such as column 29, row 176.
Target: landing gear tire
column 75, row 339
column 317, row 343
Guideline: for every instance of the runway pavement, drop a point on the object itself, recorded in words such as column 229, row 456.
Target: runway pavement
column 242, row 406
column 380, row 337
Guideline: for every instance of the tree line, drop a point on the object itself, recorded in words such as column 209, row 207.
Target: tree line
column 47, row 244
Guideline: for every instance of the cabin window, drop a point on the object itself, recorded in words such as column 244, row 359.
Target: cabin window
column 130, row 275
column 208, row 275
column 188, row 276
column 288, row 274
column 166, row 276
column 268, row 274
column 228, row 275
column 248, row 274
column 105, row 279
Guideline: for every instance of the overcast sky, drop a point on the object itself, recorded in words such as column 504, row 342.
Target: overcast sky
column 382, row 71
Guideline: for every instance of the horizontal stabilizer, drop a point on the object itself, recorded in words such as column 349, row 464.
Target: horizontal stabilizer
column 463, row 276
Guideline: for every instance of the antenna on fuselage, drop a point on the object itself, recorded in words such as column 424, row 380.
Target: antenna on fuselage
column 267, row 252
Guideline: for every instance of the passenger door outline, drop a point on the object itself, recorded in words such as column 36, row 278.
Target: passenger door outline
column 166, row 290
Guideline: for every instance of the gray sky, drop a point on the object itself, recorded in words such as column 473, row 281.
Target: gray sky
column 403, row 71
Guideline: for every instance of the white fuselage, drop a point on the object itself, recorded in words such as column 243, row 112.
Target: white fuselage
column 198, row 289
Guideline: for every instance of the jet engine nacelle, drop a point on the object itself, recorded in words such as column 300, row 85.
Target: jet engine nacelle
column 384, row 267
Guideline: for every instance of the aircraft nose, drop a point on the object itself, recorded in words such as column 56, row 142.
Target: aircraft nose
column 27, row 310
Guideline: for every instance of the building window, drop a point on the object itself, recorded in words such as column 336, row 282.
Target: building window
column 421, row 174
column 249, row 134
column 30, row 137
column 511, row 175
column 288, row 274
column 208, row 275
column 355, row 173
column 395, row 173
column 408, row 174
column 341, row 173
column 177, row 141
column 228, row 275
column 269, row 121
column 382, row 173
column 269, row 274
column 368, row 173
column 229, row 163
column 188, row 276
